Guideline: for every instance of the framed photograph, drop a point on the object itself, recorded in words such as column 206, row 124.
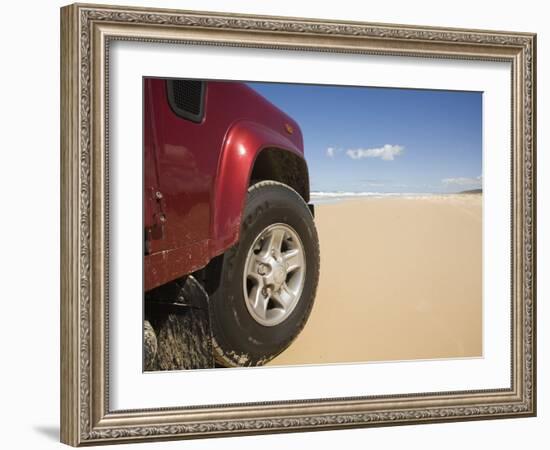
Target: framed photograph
column 276, row 224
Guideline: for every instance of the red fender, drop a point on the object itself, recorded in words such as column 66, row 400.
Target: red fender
column 243, row 143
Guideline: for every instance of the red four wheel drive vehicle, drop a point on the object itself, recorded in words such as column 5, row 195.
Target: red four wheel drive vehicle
column 226, row 199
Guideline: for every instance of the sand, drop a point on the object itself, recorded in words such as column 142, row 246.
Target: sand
column 401, row 279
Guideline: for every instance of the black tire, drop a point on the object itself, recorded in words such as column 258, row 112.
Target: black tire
column 238, row 339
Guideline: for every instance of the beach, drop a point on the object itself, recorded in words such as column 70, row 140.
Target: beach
column 401, row 279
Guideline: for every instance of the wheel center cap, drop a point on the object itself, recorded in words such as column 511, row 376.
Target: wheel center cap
column 279, row 274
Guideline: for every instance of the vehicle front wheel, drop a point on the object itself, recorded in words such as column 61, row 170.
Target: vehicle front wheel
column 268, row 279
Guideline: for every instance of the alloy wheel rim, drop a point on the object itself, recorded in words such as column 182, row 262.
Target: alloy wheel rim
column 274, row 274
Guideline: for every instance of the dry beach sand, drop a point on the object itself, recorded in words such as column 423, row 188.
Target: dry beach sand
column 400, row 279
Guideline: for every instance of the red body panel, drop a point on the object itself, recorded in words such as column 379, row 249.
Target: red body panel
column 196, row 175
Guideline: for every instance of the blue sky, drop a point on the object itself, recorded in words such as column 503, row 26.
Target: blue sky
column 361, row 139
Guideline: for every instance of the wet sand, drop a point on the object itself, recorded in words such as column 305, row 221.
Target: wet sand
column 400, row 279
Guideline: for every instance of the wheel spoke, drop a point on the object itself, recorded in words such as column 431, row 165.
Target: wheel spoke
column 294, row 259
column 283, row 296
column 275, row 242
column 259, row 301
column 254, row 275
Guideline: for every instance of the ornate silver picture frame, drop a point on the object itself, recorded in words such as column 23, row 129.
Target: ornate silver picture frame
column 87, row 32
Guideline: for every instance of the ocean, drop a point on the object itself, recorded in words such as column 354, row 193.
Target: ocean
column 317, row 197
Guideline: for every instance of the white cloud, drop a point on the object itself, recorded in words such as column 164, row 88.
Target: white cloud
column 462, row 181
column 387, row 152
column 332, row 152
